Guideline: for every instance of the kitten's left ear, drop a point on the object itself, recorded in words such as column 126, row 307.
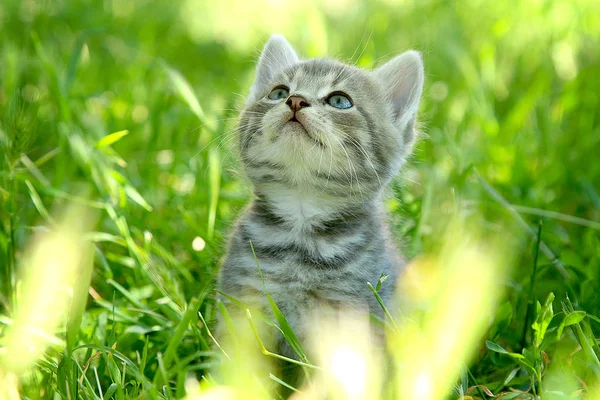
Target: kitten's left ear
column 277, row 55
column 404, row 76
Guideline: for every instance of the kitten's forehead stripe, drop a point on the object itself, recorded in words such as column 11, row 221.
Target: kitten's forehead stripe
column 339, row 78
column 318, row 74
column 290, row 73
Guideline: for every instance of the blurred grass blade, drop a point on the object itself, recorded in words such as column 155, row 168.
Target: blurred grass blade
column 211, row 336
column 584, row 340
column 189, row 317
column 111, row 138
column 34, row 170
column 287, row 331
column 134, row 195
column 284, row 384
column 266, row 352
column 185, row 91
column 215, row 186
column 55, row 82
column 80, row 295
column 543, row 246
column 56, row 263
column 37, row 202
column 390, row 319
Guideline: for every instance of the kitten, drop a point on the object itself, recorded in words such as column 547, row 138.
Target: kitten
column 320, row 140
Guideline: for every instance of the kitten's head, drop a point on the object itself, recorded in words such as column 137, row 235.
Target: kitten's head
column 323, row 124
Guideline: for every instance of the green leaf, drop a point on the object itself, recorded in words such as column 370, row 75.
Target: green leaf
column 543, row 318
column 570, row 319
column 113, row 368
column 110, row 391
column 511, row 376
column 499, row 349
column 111, row 138
column 574, row 318
column 382, row 279
column 495, row 347
column 528, row 360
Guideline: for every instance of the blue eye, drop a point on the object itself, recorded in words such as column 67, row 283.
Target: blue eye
column 339, row 100
column 279, row 93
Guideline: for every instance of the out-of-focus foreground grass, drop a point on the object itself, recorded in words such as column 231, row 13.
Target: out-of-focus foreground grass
column 124, row 110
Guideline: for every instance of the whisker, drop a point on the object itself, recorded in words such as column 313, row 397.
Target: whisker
column 364, row 48
column 361, row 149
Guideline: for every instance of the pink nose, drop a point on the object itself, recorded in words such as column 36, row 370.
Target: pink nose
column 296, row 103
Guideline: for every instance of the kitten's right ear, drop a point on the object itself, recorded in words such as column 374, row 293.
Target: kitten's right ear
column 277, row 55
column 404, row 76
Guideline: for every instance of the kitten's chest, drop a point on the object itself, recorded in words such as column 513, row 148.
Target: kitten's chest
column 310, row 257
column 298, row 287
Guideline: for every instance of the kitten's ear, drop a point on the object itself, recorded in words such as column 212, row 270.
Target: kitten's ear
column 277, row 55
column 404, row 76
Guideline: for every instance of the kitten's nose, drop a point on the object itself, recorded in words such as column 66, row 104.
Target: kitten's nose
column 296, row 103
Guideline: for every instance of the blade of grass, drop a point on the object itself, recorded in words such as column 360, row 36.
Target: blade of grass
column 284, row 384
column 532, row 285
column 559, row 216
column 211, row 335
column 37, row 202
column 34, row 170
column 524, row 225
column 385, row 310
column 111, row 138
column 215, row 185
column 132, row 368
column 188, row 317
column 185, row 91
column 284, row 326
column 266, row 352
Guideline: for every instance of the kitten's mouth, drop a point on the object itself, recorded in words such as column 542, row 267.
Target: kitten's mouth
column 298, row 127
column 294, row 121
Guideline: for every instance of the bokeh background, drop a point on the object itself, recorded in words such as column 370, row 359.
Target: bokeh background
column 127, row 108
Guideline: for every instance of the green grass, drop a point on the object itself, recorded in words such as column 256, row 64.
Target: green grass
column 127, row 109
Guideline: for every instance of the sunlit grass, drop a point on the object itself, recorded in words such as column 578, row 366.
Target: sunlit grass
column 136, row 101
column 51, row 292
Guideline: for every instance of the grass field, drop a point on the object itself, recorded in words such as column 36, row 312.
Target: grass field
column 116, row 123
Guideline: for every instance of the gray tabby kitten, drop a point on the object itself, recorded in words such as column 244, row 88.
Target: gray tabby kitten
column 320, row 140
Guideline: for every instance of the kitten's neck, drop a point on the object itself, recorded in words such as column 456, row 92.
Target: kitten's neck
column 304, row 209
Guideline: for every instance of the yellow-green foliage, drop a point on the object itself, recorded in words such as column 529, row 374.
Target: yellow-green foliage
column 117, row 159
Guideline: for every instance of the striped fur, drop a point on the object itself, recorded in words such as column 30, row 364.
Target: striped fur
column 318, row 223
